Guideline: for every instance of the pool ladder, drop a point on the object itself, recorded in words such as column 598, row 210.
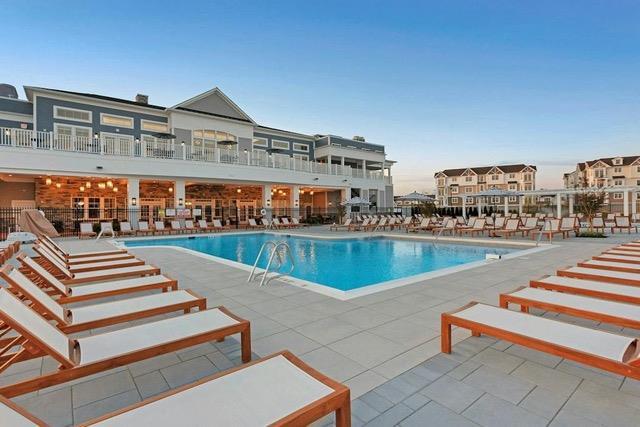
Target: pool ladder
column 278, row 252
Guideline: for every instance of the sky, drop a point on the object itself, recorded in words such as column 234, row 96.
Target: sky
column 440, row 84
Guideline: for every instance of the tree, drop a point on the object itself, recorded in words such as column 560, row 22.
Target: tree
column 589, row 202
column 428, row 208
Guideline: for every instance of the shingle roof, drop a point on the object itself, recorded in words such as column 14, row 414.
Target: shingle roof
column 104, row 98
column 191, row 110
column 482, row 170
column 626, row 161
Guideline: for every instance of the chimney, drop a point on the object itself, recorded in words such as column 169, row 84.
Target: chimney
column 359, row 138
column 142, row 99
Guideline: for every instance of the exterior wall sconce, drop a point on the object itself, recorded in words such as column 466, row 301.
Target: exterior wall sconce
column 268, row 203
column 296, row 203
column 134, row 201
column 95, row 135
column 170, row 189
column 87, row 184
column 311, row 192
column 239, row 190
column 110, row 184
column 115, row 189
column 47, row 181
column 58, row 185
column 102, row 185
column 82, row 188
column 180, row 201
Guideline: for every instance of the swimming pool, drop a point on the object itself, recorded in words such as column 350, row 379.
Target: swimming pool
column 341, row 264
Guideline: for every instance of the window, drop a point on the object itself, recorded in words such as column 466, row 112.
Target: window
column 512, row 175
column 212, row 135
column 93, row 207
column 617, row 182
column 455, row 200
column 513, row 187
column 618, row 196
column 513, row 199
column 617, row 170
column 495, row 177
column 454, row 190
column 468, row 189
column 283, row 145
column 66, row 132
column 469, row 200
column 260, row 142
column 598, row 173
column 300, row 156
column 72, row 114
column 117, row 121
column 468, row 178
column 638, row 182
column 440, row 182
column 617, row 161
column 638, row 169
column 481, row 187
column 495, row 199
column 150, row 126
column 454, row 179
column 300, row 147
column 527, row 177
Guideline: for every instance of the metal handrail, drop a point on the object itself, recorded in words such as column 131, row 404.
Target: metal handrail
column 286, row 250
column 544, row 225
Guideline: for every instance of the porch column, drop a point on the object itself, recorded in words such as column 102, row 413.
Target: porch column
column 572, row 200
column 634, row 202
column 345, row 194
column 329, row 163
column 559, row 205
column 364, row 168
column 133, row 200
column 520, row 205
column 266, row 200
column 479, row 205
column 625, row 201
column 506, row 205
column 464, row 207
column 295, row 201
column 179, row 193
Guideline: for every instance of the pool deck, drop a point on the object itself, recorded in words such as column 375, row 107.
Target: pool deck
column 384, row 346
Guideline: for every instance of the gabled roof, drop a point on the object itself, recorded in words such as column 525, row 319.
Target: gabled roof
column 483, row 170
column 608, row 161
column 214, row 102
column 29, row 89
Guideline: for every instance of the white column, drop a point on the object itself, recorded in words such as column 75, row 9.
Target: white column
column 329, row 163
column 133, row 200
column 294, row 200
column 506, row 205
column 364, row 168
column 634, row 202
column 179, row 193
column 558, row 205
column 572, row 200
column 625, row 201
column 464, row 207
column 479, row 205
column 520, row 205
column 266, row 200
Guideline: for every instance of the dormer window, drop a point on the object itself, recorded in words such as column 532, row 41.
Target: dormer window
column 617, row 161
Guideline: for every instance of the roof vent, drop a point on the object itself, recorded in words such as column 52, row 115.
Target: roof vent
column 8, row 91
column 142, row 99
column 358, row 138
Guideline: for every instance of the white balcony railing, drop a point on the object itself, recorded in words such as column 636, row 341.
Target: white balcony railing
column 162, row 149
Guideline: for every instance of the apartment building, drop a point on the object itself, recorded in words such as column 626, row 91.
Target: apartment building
column 622, row 171
column 454, row 184
column 91, row 152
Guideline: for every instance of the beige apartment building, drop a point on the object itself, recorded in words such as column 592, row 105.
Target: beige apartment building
column 454, row 184
column 606, row 172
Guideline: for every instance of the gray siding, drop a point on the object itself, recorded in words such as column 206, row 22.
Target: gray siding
column 45, row 119
column 14, row 124
column 290, row 140
column 182, row 135
column 18, row 106
column 349, row 143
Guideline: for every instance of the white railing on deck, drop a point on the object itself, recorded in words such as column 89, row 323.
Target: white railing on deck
column 162, row 149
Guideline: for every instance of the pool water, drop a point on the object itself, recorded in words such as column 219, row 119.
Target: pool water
column 343, row 264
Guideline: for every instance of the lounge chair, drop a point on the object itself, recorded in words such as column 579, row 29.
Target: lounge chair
column 88, row 291
column 627, row 248
column 106, row 228
column 592, row 288
column 88, row 259
column 512, row 227
column 245, row 395
column 609, row 276
column 143, row 228
column 203, row 226
column 600, row 349
column 610, row 265
column 287, row 224
column 69, row 278
column 159, row 228
column 100, row 315
column 479, row 226
column 530, row 224
column 597, row 224
column 88, row 355
column 47, row 241
column 615, row 313
column 254, row 225
column 448, row 226
column 336, row 227
column 177, row 227
column 550, row 228
column 296, row 222
column 89, row 264
column 8, row 250
column 424, row 225
column 568, row 225
column 623, row 223
column 359, row 227
column 126, row 230
column 619, row 256
column 217, row 225
column 267, row 224
column 86, row 230
column 623, row 253
column 380, row 225
column 189, row 227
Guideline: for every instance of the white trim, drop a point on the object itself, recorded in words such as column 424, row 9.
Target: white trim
column 117, row 135
column 265, row 145
column 16, row 117
column 57, row 125
column 143, row 121
column 117, row 117
column 224, row 97
column 300, row 156
column 273, row 141
column 284, row 133
column 305, row 149
column 56, row 116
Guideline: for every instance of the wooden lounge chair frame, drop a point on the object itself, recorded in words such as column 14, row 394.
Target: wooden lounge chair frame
column 630, row 269
column 449, row 319
column 538, row 283
column 63, row 323
column 31, row 347
column 526, row 303
column 597, row 277
column 54, row 247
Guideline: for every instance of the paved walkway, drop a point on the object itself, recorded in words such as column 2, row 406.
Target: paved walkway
column 384, row 346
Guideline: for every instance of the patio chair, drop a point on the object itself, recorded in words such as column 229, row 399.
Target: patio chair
column 604, row 350
column 177, row 227
column 597, row 223
column 550, row 228
column 203, row 226
column 69, row 278
column 448, row 226
column 618, row 256
column 610, row 265
column 296, row 222
column 266, row 223
column 103, row 314
column 623, row 254
column 189, row 227
column 159, row 228
column 623, row 223
column 143, row 228
column 217, row 225
column 479, row 227
column 49, row 242
column 88, row 355
column 286, row 223
column 254, row 225
column 424, row 225
column 590, row 288
column 245, row 395
column 568, row 225
column 609, row 276
column 359, row 227
column 530, row 224
column 71, row 293
column 615, row 313
column 512, row 227
column 337, row 227
column 126, row 230
column 106, row 228
column 105, row 264
column 86, row 230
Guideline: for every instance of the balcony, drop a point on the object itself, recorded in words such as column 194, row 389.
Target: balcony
column 169, row 150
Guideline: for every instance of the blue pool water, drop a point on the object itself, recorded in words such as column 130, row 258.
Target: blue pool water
column 340, row 264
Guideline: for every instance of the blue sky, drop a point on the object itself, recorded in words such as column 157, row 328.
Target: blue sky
column 441, row 84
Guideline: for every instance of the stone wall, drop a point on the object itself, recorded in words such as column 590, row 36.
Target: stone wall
column 59, row 193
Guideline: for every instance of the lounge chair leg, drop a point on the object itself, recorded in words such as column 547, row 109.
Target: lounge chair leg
column 220, row 339
column 503, row 302
column 245, row 344
column 524, row 309
column 475, row 333
column 343, row 414
column 445, row 336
